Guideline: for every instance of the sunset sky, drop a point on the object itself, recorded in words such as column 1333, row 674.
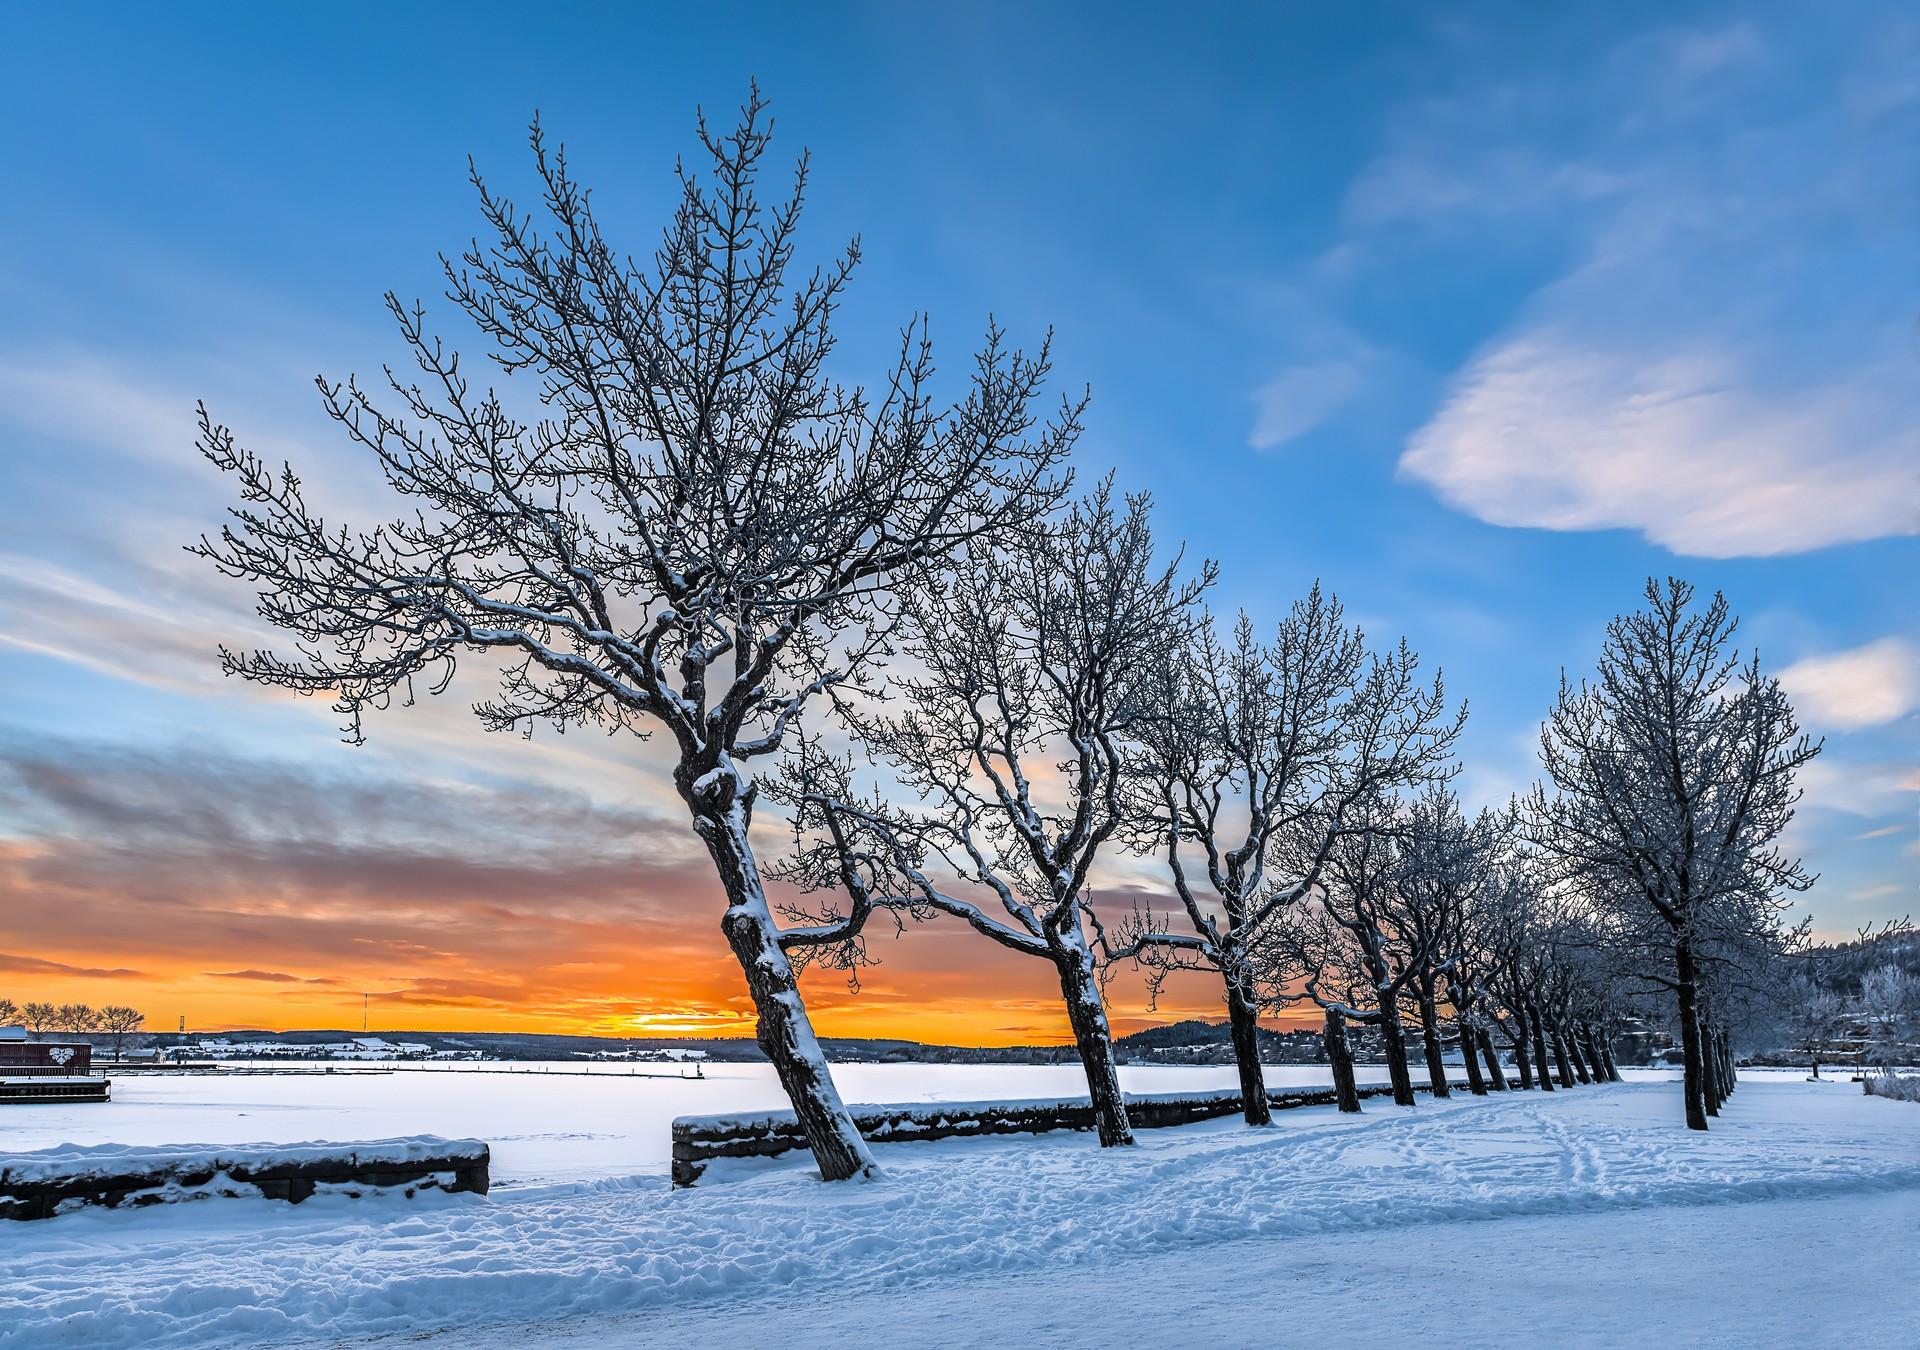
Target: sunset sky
column 1479, row 320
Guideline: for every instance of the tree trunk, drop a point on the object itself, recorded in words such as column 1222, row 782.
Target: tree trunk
column 1430, row 1042
column 1496, row 1072
column 1559, row 1044
column 1606, row 1051
column 1520, row 1051
column 1088, row 1016
column 1594, row 1060
column 1475, row 1083
column 1709, row 1067
column 781, row 1026
column 1684, row 997
column 1340, row 1060
column 786, row 1038
column 1243, row 1020
column 1396, row 1044
column 1579, row 1061
column 1535, row 1022
column 1728, row 1069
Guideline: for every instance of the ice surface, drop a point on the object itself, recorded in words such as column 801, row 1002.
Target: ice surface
column 557, row 1122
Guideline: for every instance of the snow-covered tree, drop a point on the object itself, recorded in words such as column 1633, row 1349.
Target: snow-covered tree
column 700, row 533
column 1445, row 861
column 1889, row 1004
column 1344, row 951
column 1036, row 667
column 1814, row 1017
column 1249, row 775
column 1671, row 779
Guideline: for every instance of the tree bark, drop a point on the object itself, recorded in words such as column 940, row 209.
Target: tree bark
column 1534, row 1021
column 1520, row 1051
column 1570, row 1038
column 781, row 1025
column 786, row 1037
column 1591, row 1043
column 1684, row 997
column 1243, row 1020
column 1430, row 1042
column 1496, row 1072
column 1475, row 1083
column 1709, row 1067
column 1606, row 1050
column 1340, row 1060
column 1396, row 1045
column 1094, row 1039
column 1560, row 1064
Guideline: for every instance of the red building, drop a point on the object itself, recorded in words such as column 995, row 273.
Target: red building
column 42, row 1071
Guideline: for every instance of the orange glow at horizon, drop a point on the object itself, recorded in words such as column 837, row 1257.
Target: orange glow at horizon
column 929, row 990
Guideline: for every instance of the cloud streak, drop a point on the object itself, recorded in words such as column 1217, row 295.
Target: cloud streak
column 1861, row 687
column 1722, row 366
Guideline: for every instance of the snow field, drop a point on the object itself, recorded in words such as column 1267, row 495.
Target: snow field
column 943, row 1215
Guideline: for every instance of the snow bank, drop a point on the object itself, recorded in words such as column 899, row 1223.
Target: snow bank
column 53, row 1182
column 1053, row 1205
column 97, row 1162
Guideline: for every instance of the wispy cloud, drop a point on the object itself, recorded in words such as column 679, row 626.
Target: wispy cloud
column 1722, row 365
column 1553, row 431
column 34, row 965
column 1861, row 687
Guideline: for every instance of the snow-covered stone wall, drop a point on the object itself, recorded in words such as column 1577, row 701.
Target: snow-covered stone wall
column 699, row 1140
column 42, row 1184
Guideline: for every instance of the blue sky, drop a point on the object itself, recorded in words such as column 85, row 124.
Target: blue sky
column 1480, row 317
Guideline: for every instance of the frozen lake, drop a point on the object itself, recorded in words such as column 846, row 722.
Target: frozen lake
column 546, row 1122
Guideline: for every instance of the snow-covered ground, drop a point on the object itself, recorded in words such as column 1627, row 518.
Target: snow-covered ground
column 1584, row 1217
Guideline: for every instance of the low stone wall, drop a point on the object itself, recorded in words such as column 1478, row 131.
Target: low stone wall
column 41, row 1185
column 700, row 1140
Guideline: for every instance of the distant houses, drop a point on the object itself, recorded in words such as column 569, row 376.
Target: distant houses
column 354, row 1048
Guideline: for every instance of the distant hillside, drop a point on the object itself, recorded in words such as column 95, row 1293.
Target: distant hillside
column 1841, row 966
column 1197, row 1042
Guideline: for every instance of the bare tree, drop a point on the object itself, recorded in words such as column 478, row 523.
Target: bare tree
column 700, row 533
column 1255, row 763
column 1672, row 778
column 1036, row 667
column 1343, row 952
column 119, row 1021
column 1445, row 860
column 1890, row 1006
column 9, row 1011
column 39, row 1017
column 1302, row 954
column 75, row 1018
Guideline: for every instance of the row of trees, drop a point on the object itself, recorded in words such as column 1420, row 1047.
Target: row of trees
column 79, row 1019
column 1869, row 1016
column 977, row 688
